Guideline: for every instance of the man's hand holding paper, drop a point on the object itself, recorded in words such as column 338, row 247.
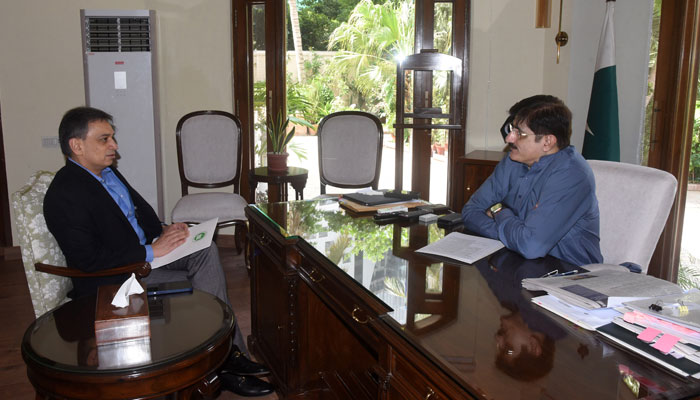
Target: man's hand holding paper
column 179, row 241
column 172, row 237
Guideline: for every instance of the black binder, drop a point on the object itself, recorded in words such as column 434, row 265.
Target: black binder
column 370, row 199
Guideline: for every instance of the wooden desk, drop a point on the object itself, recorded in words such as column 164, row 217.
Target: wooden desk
column 191, row 337
column 341, row 305
column 295, row 176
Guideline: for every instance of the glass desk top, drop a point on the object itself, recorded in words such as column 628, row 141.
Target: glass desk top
column 181, row 326
column 474, row 321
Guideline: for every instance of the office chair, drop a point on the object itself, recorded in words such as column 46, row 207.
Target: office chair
column 209, row 156
column 48, row 277
column 349, row 150
column 634, row 203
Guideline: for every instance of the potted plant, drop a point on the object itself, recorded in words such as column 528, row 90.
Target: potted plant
column 279, row 138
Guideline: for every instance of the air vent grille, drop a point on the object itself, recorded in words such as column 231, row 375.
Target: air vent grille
column 117, row 34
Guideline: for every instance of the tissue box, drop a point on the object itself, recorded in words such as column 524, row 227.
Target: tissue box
column 113, row 324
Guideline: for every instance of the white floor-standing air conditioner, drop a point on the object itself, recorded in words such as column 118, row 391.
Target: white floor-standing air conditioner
column 120, row 78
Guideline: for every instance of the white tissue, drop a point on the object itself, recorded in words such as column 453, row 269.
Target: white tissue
column 131, row 286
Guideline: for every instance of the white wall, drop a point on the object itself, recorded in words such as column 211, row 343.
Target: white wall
column 41, row 74
column 510, row 60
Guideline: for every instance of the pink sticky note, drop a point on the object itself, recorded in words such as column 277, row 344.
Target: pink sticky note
column 648, row 335
column 665, row 343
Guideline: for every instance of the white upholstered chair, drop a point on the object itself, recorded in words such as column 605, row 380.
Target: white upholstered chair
column 634, row 203
column 38, row 244
column 209, row 156
column 48, row 277
column 349, row 150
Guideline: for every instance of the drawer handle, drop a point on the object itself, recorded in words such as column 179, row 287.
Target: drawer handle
column 430, row 394
column 264, row 240
column 355, row 310
column 315, row 271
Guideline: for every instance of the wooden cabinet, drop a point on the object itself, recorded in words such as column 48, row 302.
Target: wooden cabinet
column 273, row 305
column 322, row 335
column 470, row 171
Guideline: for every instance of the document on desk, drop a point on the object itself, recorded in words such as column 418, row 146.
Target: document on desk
column 200, row 238
column 462, row 247
column 601, row 289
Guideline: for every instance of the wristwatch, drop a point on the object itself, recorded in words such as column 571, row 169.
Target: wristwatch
column 496, row 208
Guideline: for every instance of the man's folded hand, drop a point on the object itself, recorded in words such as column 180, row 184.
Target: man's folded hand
column 173, row 236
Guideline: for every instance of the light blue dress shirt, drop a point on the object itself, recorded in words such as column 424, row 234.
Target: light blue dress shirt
column 549, row 208
column 121, row 196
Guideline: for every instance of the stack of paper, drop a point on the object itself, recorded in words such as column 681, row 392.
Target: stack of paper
column 665, row 329
column 603, row 288
column 651, row 317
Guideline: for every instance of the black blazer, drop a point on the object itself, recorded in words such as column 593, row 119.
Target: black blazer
column 91, row 230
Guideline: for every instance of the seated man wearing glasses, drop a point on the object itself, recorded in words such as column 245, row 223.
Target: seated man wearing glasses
column 540, row 199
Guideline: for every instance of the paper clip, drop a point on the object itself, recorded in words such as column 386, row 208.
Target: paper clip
column 680, row 309
column 655, row 307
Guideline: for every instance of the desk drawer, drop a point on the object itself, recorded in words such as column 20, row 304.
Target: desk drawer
column 350, row 310
column 269, row 242
column 408, row 383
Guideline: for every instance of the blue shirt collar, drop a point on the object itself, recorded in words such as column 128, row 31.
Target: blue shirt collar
column 108, row 169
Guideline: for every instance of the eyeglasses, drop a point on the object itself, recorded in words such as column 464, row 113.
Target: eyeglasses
column 512, row 128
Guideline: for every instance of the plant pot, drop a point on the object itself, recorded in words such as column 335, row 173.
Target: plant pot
column 277, row 162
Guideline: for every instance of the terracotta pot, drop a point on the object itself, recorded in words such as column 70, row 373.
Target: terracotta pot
column 277, row 162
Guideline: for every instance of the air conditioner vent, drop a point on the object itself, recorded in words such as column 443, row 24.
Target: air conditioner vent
column 117, row 34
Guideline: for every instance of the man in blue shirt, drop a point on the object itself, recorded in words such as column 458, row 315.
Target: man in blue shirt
column 101, row 222
column 540, row 199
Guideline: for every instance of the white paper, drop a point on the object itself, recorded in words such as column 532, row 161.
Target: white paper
column 587, row 319
column 199, row 238
column 461, row 247
column 129, row 287
column 604, row 288
column 120, row 79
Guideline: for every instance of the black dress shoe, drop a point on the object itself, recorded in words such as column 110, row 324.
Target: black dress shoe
column 249, row 386
column 239, row 364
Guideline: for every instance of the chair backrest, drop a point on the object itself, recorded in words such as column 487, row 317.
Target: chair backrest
column 634, row 203
column 349, row 150
column 38, row 244
column 209, row 150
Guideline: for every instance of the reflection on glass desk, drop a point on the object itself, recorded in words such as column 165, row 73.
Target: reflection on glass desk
column 190, row 336
column 471, row 328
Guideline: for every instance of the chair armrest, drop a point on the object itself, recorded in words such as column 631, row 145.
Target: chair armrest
column 141, row 269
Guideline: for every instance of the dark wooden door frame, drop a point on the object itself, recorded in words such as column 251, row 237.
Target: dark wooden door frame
column 6, row 229
column 275, row 72
column 672, row 122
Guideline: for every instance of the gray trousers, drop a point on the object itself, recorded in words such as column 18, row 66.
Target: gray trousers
column 203, row 269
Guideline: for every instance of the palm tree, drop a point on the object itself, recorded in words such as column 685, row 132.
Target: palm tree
column 368, row 47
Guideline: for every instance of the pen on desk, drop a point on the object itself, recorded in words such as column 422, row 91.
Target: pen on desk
column 575, row 271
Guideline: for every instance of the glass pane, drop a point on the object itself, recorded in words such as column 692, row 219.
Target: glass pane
column 347, row 61
column 259, row 89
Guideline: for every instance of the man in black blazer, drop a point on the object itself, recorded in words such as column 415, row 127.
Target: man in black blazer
column 101, row 222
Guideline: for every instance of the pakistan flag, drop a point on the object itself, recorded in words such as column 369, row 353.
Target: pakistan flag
column 602, row 140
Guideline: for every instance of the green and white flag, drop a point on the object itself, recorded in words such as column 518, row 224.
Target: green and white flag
column 602, row 140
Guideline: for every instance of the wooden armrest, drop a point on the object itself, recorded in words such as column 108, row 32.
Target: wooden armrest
column 141, row 269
